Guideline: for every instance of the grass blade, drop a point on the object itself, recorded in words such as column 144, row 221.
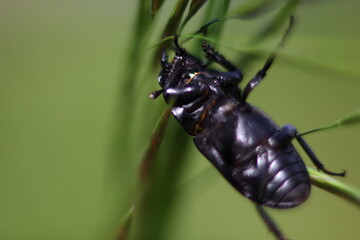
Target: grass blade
column 155, row 141
column 333, row 186
column 271, row 27
column 172, row 25
column 125, row 224
column 194, row 8
column 253, row 8
column 274, row 25
column 155, row 204
column 350, row 119
column 216, row 9
column 120, row 160
column 155, row 6
column 142, row 27
column 175, row 18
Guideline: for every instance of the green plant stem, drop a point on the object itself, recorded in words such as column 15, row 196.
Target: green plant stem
column 319, row 129
column 350, row 119
column 125, row 224
column 318, row 179
column 155, row 140
column 334, row 186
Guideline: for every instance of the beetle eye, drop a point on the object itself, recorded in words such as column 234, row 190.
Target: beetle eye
column 161, row 80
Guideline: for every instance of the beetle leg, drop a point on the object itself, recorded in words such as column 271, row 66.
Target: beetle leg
column 270, row 223
column 186, row 93
column 260, row 75
column 282, row 138
column 181, row 50
column 319, row 165
column 231, row 78
column 213, row 55
column 287, row 133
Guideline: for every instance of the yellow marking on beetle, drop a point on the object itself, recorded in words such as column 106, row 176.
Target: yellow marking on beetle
column 198, row 127
column 192, row 75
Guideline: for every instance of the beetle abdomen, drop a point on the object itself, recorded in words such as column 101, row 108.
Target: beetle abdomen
column 275, row 178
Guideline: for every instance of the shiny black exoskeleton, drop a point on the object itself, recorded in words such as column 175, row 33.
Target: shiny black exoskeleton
column 244, row 144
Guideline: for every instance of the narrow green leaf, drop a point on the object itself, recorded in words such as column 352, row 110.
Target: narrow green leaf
column 155, row 6
column 141, row 28
column 319, row 67
column 120, row 159
column 175, row 18
column 276, row 22
column 272, row 26
column 352, row 118
column 254, row 8
column 125, row 224
column 333, row 186
column 349, row 119
column 155, row 141
column 172, row 26
column 216, row 9
column 194, row 8
column 204, row 29
column 159, row 175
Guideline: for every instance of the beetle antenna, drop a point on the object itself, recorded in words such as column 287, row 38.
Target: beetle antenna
column 156, row 93
column 260, row 75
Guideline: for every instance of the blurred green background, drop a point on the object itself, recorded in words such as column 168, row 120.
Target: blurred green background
column 61, row 173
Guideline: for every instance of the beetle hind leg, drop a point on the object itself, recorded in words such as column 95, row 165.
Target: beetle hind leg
column 287, row 133
column 270, row 223
column 319, row 165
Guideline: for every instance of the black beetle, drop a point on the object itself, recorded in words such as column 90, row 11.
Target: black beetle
column 248, row 148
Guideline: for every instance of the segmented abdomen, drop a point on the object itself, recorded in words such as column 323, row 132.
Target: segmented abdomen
column 273, row 178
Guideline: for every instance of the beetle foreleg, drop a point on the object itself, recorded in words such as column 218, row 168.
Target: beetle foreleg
column 231, row 78
column 213, row 55
column 176, row 43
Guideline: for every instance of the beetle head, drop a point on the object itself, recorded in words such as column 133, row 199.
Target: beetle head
column 179, row 70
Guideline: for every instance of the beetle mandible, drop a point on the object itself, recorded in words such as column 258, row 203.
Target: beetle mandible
column 247, row 147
